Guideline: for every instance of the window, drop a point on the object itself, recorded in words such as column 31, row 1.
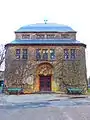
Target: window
column 52, row 54
column 45, row 54
column 25, row 54
column 66, row 54
column 65, row 36
column 50, row 36
column 39, row 36
column 25, row 36
column 18, row 53
column 38, row 54
column 72, row 53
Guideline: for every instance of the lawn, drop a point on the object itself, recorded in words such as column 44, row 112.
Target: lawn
column 88, row 91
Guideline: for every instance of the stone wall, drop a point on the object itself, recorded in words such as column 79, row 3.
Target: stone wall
column 71, row 73
column 66, row 73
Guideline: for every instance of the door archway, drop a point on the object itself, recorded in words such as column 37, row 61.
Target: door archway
column 44, row 76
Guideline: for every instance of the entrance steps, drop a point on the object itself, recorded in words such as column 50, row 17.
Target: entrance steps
column 45, row 92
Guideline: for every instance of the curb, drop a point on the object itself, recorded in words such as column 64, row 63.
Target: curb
column 79, row 96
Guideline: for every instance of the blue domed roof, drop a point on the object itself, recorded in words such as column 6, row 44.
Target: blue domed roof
column 48, row 27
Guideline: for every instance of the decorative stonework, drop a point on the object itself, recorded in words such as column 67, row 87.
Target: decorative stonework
column 45, row 69
column 29, row 80
column 60, row 35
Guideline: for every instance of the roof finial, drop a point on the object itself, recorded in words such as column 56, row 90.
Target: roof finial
column 45, row 21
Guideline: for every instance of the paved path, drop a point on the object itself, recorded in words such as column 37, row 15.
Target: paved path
column 47, row 113
column 36, row 97
column 29, row 98
column 43, row 107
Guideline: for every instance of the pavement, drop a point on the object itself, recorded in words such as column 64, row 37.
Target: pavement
column 30, row 98
column 46, row 113
column 44, row 106
column 37, row 98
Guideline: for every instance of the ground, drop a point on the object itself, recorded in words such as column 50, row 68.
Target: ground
column 44, row 106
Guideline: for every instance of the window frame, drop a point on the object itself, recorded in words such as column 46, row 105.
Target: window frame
column 38, row 55
column 25, row 36
column 50, row 36
column 40, row 36
column 72, row 54
column 18, row 53
column 65, row 36
column 45, row 54
column 25, row 54
column 66, row 54
column 54, row 57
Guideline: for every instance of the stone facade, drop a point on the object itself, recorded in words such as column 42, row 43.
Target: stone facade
column 21, row 73
column 62, row 72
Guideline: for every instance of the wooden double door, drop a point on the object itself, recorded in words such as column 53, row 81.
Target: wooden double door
column 45, row 83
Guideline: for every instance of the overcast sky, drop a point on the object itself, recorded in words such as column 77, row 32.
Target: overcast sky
column 75, row 13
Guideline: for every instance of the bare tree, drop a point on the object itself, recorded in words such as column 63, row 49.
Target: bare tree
column 2, row 54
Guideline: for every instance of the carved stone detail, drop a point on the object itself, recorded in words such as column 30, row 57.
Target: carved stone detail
column 45, row 69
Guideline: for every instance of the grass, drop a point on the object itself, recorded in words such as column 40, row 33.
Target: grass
column 88, row 91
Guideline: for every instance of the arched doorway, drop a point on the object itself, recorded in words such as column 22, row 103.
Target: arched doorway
column 45, row 74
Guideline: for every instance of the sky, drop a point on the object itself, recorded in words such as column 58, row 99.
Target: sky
column 17, row 13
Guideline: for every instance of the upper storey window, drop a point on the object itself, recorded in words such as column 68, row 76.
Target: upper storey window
column 45, row 36
column 66, row 54
column 18, row 51
column 45, row 54
column 50, row 36
column 65, row 36
column 38, row 54
column 40, row 36
column 52, row 54
column 25, row 36
column 21, row 54
column 69, row 54
column 73, row 53
column 25, row 54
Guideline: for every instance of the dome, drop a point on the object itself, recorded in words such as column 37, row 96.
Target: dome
column 48, row 27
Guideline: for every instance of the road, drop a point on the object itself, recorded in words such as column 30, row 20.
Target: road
column 60, row 109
